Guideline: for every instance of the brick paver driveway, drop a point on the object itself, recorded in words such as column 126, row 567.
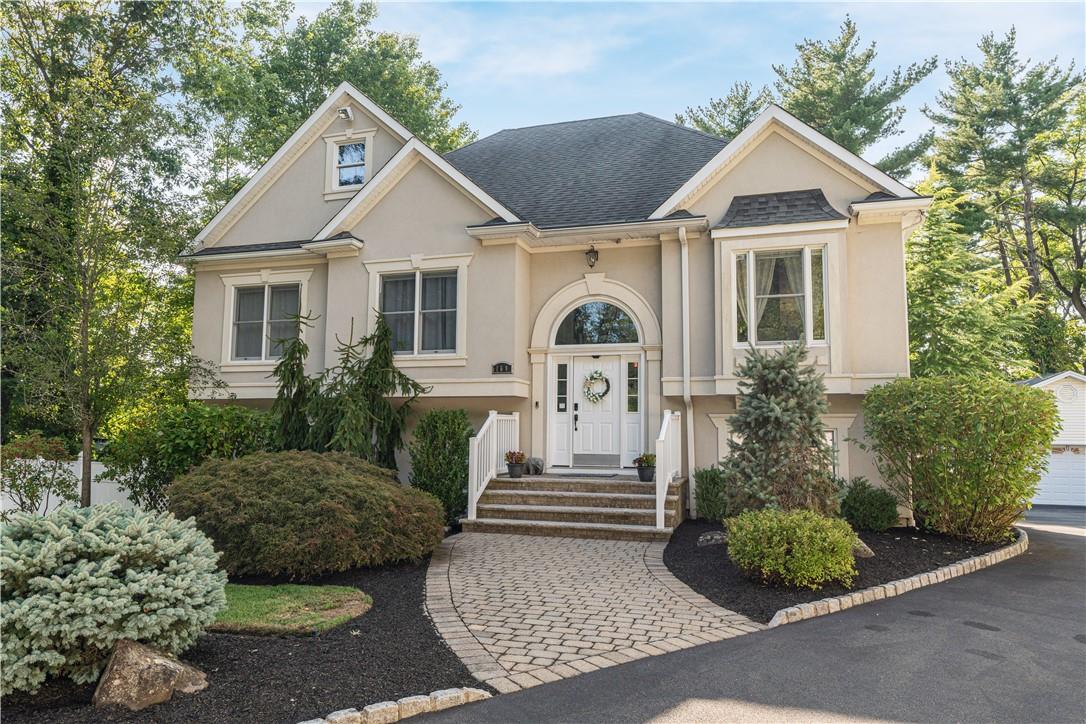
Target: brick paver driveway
column 524, row 610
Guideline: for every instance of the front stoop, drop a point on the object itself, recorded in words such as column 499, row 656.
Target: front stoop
column 618, row 508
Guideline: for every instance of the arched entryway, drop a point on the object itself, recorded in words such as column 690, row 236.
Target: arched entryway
column 595, row 375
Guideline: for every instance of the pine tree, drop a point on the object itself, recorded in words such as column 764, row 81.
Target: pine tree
column 832, row 87
column 289, row 411
column 726, row 117
column 778, row 456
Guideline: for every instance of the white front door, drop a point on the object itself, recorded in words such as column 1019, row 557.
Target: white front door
column 597, row 423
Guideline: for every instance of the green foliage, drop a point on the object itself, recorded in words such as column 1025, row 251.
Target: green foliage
column 645, row 460
column 301, row 515
column 712, row 498
column 967, row 452
column 868, row 508
column 778, row 456
column 962, row 318
column 358, row 466
column 832, row 87
column 726, row 117
column 292, row 397
column 145, row 456
column 33, row 469
column 80, row 579
column 794, row 548
column 439, row 458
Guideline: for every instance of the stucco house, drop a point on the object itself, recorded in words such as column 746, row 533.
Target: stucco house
column 594, row 283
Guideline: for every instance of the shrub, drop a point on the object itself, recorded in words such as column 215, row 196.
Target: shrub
column 79, row 579
column 301, row 514
column 145, row 457
column 868, row 508
column 966, row 452
column 794, row 548
column 779, row 457
column 712, row 499
column 358, row 466
column 33, row 469
column 439, row 458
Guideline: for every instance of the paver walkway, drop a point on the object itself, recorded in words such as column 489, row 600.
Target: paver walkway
column 525, row 610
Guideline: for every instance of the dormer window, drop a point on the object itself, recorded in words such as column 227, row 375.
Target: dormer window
column 349, row 155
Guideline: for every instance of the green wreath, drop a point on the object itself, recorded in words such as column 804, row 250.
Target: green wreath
column 589, row 389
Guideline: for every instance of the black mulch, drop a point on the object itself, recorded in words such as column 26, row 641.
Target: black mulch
column 391, row 651
column 899, row 553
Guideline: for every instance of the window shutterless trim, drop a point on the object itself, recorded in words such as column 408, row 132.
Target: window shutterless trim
column 750, row 262
column 265, row 278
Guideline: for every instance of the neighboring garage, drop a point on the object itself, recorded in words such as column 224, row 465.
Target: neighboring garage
column 1065, row 481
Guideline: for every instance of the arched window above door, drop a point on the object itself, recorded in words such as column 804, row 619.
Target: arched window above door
column 597, row 323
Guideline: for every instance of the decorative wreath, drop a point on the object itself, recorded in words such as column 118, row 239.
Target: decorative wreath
column 589, row 389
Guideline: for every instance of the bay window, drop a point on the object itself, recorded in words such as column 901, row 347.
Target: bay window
column 421, row 307
column 780, row 295
column 265, row 318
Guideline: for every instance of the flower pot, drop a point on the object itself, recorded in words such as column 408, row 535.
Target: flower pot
column 515, row 469
column 646, row 474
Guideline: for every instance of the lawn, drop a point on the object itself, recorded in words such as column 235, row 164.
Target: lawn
column 289, row 608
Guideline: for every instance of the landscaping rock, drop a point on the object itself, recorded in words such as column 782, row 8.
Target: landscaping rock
column 534, row 466
column 471, row 694
column 713, row 538
column 139, row 676
column 344, row 716
column 412, row 705
column 446, row 698
column 860, row 550
column 384, row 712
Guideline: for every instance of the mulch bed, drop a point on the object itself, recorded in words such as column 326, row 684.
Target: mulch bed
column 391, row 652
column 899, row 553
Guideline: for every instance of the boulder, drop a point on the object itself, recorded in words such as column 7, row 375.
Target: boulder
column 860, row 550
column 139, row 676
column 713, row 538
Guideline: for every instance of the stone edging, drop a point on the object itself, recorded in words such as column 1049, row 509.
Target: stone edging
column 804, row 611
column 387, row 712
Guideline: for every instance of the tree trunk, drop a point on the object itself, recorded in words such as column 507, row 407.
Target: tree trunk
column 88, row 458
column 1033, row 263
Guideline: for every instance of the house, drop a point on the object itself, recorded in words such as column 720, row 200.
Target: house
column 594, row 283
column 1064, row 483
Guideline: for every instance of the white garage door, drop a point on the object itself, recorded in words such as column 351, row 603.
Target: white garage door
column 1065, row 481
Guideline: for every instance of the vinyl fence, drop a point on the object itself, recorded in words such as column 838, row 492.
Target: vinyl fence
column 102, row 491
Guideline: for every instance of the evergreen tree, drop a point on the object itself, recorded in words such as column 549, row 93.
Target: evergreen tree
column 726, row 117
column 962, row 319
column 832, row 87
column 290, row 409
column 778, row 456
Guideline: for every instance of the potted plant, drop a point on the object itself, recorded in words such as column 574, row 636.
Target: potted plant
column 646, row 467
column 514, row 460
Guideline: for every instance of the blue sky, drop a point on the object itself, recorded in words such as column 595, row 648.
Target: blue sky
column 518, row 64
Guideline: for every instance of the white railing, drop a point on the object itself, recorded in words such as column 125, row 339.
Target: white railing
column 486, row 454
column 668, row 460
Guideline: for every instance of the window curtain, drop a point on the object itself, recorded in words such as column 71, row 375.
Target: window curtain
column 764, row 272
column 439, row 312
column 398, row 306
column 741, row 296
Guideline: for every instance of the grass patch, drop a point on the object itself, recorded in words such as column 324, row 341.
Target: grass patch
column 289, row 608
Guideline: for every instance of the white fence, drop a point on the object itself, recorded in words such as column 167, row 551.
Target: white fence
column 102, row 491
column 668, row 460
column 498, row 435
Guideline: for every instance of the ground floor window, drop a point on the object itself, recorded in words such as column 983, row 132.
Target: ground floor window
column 265, row 319
column 421, row 309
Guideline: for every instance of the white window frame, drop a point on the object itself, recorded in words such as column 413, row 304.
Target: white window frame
column 266, row 278
column 332, row 188
column 420, row 264
column 808, row 296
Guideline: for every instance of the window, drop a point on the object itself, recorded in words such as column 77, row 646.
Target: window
column 420, row 307
column 596, row 323
column 780, row 296
column 562, row 378
column 632, row 387
column 350, row 164
column 265, row 317
column 831, row 440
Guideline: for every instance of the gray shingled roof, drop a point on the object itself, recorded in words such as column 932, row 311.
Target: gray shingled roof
column 247, row 248
column 781, row 207
column 597, row 171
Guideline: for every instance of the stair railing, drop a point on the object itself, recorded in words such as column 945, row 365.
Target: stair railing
column 668, row 461
column 486, row 452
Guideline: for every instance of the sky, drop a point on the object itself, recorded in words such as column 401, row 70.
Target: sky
column 519, row 64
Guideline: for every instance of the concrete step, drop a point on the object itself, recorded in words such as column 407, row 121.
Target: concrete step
column 566, row 529
column 582, row 485
column 566, row 497
column 576, row 514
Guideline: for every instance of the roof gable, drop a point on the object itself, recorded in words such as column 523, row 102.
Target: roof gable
column 781, row 207
column 601, row 170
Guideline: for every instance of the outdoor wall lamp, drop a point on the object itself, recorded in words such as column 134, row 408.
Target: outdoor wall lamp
column 592, row 256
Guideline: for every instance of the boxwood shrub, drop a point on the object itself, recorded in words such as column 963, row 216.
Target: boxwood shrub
column 79, row 579
column 712, row 497
column 967, row 452
column 302, row 514
column 439, row 458
column 794, row 548
column 868, row 508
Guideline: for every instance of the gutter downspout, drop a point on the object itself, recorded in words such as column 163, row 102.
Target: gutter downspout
column 684, row 251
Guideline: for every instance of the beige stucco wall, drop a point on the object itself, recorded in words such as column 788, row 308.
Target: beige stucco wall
column 294, row 206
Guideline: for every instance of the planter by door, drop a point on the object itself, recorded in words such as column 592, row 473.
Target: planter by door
column 646, row 475
column 516, row 470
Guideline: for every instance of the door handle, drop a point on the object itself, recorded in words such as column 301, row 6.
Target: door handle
column 575, row 422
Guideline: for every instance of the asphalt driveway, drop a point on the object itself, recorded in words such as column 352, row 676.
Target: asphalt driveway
column 1005, row 644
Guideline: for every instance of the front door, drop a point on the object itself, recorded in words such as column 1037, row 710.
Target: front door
column 597, row 411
